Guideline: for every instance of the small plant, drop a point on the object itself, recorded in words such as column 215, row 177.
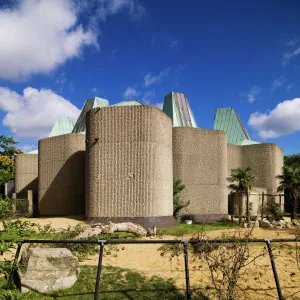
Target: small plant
column 178, row 203
column 274, row 210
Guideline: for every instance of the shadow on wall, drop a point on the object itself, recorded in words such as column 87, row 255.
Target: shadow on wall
column 23, row 194
column 65, row 193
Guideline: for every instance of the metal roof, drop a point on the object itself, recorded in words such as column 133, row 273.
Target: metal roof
column 63, row 126
column 227, row 119
column 176, row 106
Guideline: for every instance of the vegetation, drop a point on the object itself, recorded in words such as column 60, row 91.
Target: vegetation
column 178, row 203
column 290, row 181
column 241, row 182
column 7, row 161
column 115, row 284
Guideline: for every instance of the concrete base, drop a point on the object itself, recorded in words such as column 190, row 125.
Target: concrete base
column 146, row 222
column 206, row 218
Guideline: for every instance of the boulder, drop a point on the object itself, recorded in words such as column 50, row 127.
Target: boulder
column 265, row 224
column 46, row 270
column 295, row 223
column 289, row 225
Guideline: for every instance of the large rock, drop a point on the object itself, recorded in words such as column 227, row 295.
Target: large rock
column 265, row 224
column 47, row 269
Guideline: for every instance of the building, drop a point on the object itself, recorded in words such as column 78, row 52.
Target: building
column 118, row 162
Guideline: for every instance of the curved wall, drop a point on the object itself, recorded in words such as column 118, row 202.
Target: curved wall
column 26, row 174
column 61, row 170
column 266, row 161
column 200, row 161
column 129, row 165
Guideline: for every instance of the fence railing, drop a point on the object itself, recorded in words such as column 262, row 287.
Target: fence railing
column 185, row 244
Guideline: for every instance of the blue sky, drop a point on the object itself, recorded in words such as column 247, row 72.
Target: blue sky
column 55, row 54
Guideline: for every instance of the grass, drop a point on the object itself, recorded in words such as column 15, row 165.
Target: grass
column 115, row 284
column 184, row 229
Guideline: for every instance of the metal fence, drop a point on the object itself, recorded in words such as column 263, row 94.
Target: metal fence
column 185, row 243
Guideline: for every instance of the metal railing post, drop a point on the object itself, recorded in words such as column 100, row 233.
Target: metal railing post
column 12, row 273
column 99, row 269
column 268, row 242
column 187, row 274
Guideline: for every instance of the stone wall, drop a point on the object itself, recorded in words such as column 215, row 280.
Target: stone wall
column 61, row 170
column 26, row 175
column 129, row 165
column 200, row 161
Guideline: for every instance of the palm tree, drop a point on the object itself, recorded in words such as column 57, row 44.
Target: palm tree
column 290, row 180
column 242, row 180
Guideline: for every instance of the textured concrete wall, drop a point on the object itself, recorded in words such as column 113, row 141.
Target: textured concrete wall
column 266, row 161
column 61, row 171
column 200, row 161
column 129, row 163
column 26, row 174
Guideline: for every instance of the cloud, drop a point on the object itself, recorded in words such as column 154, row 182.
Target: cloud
column 130, row 92
column 112, row 7
column 41, row 35
column 251, row 94
column 27, row 148
column 159, row 105
column 150, row 79
column 113, row 53
column 148, row 97
column 289, row 86
column 282, row 120
column 288, row 56
column 61, row 79
column 169, row 40
column 95, row 90
column 278, row 82
column 33, row 113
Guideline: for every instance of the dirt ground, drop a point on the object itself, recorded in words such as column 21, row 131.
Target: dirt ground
column 257, row 279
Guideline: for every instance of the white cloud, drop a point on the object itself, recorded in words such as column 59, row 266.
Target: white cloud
column 37, row 36
column 288, row 56
column 95, row 90
column 33, row 113
column 251, row 94
column 278, row 82
column 150, row 79
column 289, row 86
column 282, row 120
column 130, row 92
column 159, row 105
column 27, row 148
column 148, row 97
column 112, row 7
column 61, row 79
column 171, row 41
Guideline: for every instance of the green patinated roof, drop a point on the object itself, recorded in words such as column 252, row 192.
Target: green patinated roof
column 88, row 105
column 63, row 126
column 128, row 103
column 176, row 106
column 227, row 119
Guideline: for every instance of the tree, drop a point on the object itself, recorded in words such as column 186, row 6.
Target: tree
column 290, row 180
column 7, row 160
column 242, row 180
column 178, row 203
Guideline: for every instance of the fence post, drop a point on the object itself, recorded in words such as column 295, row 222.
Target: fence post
column 12, row 273
column 30, row 201
column 268, row 242
column 99, row 269
column 187, row 274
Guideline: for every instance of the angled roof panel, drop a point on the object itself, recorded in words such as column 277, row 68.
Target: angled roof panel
column 63, row 126
column 176, row 106
column 227, row 119
column 88, row 105
column 128, row 103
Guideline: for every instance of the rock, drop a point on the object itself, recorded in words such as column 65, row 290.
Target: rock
column 289, row 225
column 295, row 223
column 89, row 232
column 265, row 224
column 253, row 224
column 47, row 269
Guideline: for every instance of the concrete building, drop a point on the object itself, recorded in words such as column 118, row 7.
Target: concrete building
column 118, row 162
